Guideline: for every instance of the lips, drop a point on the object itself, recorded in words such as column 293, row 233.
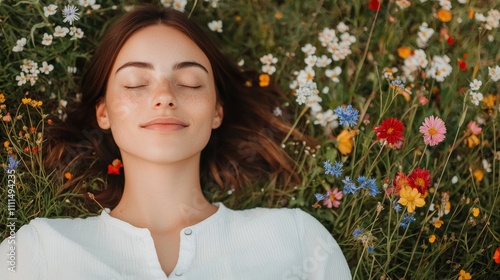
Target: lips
column 164, row 124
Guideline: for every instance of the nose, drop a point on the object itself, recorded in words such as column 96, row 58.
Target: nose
column 163, row 97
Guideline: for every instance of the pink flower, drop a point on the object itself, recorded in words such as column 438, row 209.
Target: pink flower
column 474, row 128
column 333, row 198
column 433, row 129
column 423, row 100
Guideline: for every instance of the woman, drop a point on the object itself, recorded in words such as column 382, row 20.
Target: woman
column 159, row 96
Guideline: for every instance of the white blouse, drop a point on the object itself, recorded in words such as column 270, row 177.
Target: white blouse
column 248, row 244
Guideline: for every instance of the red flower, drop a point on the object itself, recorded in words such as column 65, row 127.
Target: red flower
column 114, row 167
column 390, row 130
column 496, row 256
column 450, row 40
column 420, row 179
column 374, row 5
column 462, row 64
column 400, row 181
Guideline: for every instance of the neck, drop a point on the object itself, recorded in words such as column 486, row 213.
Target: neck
column 162, row 197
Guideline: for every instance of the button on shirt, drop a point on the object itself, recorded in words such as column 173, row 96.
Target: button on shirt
column 248, row 244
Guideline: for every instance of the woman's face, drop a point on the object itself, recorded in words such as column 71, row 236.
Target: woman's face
column 160, row 101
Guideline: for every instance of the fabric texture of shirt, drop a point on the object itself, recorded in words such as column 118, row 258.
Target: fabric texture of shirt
column 246, row 244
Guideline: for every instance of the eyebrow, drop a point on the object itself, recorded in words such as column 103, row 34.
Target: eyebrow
column 149, row 66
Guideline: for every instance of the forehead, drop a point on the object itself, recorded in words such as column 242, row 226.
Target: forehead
column 160, row 45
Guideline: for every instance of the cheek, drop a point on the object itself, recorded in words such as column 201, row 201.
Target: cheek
column 123, row 107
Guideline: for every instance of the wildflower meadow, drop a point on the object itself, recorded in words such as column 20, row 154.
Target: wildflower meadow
column 403, row 97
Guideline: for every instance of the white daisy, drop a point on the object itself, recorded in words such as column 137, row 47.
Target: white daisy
column 70, row 14
column 47, row 39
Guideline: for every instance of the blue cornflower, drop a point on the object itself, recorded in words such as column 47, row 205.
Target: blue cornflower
column 371, row 249
column 348, row 116
column 362, row 182
column 349, row 186
column 319, row 197
column 356, row 233
column 12, row 163
column 407, row 219
column 397, row 207
column 334, row 170
column 372, row 187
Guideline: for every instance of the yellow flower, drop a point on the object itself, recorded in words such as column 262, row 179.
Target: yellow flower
column 444, row 15
column 478, row 175
column 237, row 18
column 6, row 144
column 68, row 175
column 26, row 100
column 472, row 141
column 345, row 142
column 490, row 100
column 264, row 80
column 447, row 208
column 2, row 98
column 475, row 211
column 464, row 275
column 432, row 238
column 438, row 223
column 410, row 198
column 404, row 52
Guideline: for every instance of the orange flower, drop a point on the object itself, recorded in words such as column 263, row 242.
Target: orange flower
column 444, row 15
column 475, row 211
column 490, row 100
column 264, row 80
column 432, row 238
column 68, row 175
column 345, row 142
column 438, row 223
column 464, row 275
column 404, row 52
column 478, row 175
column 472, row 141
column 471, row 13
column 278, row 15
column 6, row 144
column 496, row 256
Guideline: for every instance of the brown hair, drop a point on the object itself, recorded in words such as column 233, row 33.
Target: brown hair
column 245, row 148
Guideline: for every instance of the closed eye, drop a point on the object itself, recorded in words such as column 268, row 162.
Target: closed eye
column 135, row 87
column 188, row 86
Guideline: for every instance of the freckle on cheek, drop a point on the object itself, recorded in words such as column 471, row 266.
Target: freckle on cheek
column 123, row 107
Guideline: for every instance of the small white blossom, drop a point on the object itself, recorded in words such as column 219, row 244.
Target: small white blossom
column 463, row 1
column 476, row 97
column 494, row 73
column 70, row 13
column 86, row 3
column 486, row 166
column 475, row 85
column 215, row 25
column 311, row 60
column 334, row 74
column 268, row 69
column 60, row 31
column 424, row 34
column 305, row 91
column 19, row 47
column 47, row 39
column 445, row 4
column 440, row 68
column 268, row 59
column 323, row 61
column 325, row 90
column 71, row 69
column 341, row 27
column 49, row 10
column 277, row 112
column 454, row 180
column 46, row 68
column 75, row 33
column 241, row 62
column 308, row 49
column 21, row 78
